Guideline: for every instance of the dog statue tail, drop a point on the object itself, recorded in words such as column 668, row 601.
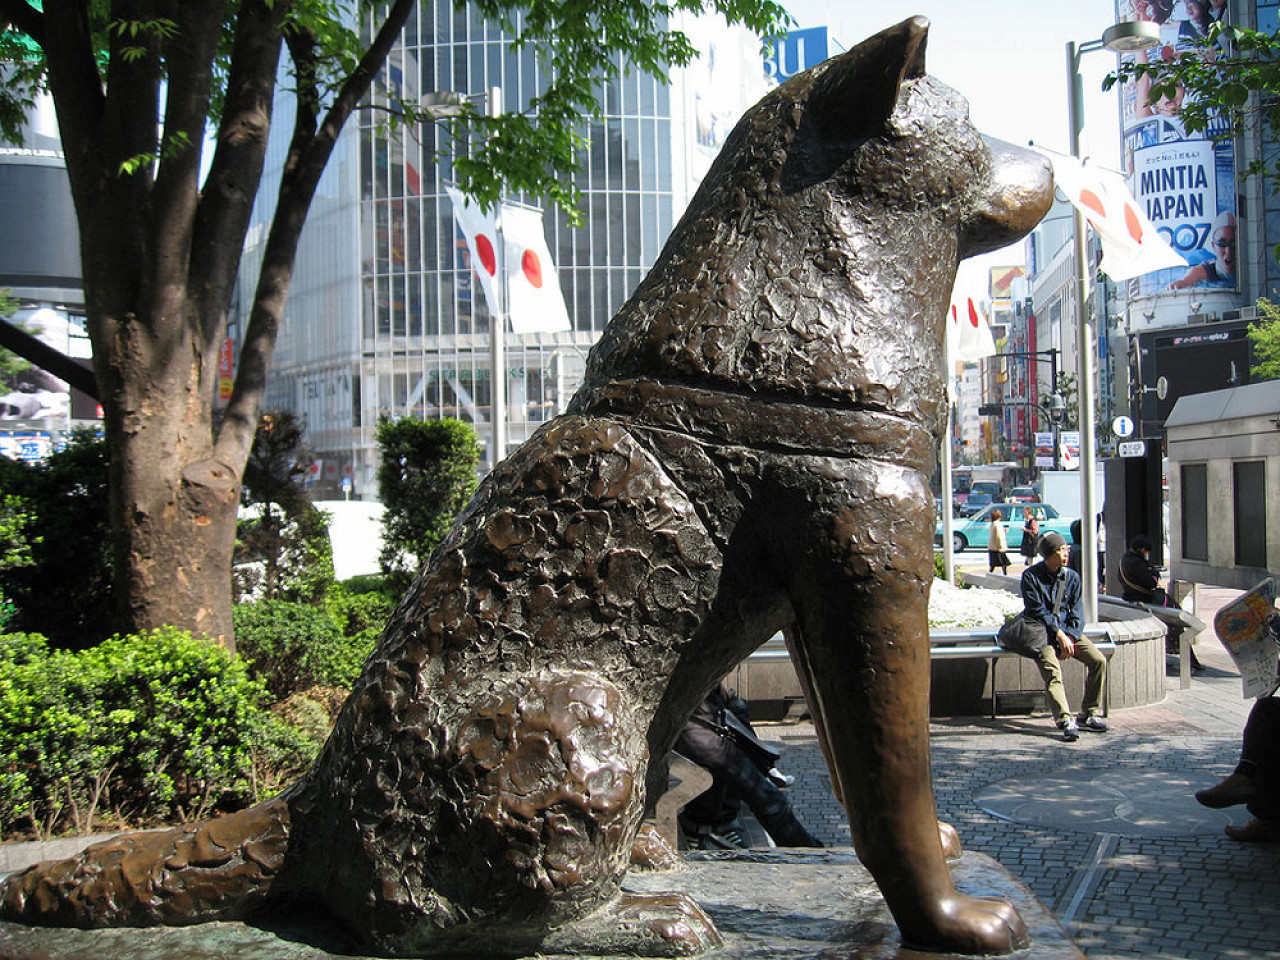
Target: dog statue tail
column 219, row 869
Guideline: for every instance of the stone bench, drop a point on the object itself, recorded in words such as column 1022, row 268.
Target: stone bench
column 980, row 644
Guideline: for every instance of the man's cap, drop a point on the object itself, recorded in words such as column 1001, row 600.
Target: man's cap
column 1050, row 543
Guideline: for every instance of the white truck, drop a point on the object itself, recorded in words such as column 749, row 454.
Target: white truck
column 1061, row 490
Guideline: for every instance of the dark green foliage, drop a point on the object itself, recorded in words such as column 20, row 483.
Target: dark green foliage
column 360, row 615
column 15, row 547
column 426, row 475
column 64, row 592
column 292, row 646
column 156, row 727
column 282, row 547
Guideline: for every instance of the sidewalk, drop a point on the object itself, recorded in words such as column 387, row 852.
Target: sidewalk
column 1105, row 830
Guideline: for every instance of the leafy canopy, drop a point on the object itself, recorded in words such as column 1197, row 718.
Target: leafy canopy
column 537, row 150
column 1233, row 74
column 1264, row 334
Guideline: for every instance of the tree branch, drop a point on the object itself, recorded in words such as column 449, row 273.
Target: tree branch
column 188, row 55
column 47, row 358
column 235, row 173
column 25, row 17
column 308, row 154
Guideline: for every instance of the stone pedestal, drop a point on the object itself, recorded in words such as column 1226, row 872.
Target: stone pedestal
column 768, row 905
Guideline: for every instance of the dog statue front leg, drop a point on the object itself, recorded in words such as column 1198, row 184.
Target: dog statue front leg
column 862, row 645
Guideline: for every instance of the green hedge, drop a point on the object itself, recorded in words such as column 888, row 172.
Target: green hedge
column 292, row 646
column 158, row 727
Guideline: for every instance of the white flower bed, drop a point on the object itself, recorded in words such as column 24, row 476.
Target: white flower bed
column 951, row 608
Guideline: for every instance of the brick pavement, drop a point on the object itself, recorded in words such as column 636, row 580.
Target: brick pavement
column 1143, row 871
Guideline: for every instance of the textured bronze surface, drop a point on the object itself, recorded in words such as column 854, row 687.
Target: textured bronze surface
column 749, row 452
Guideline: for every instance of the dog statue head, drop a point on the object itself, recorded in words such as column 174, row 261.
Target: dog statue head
column 816, row 260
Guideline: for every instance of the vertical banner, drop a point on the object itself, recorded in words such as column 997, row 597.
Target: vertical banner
column 1185, row 183
column 226, row 368
column 1044, row 449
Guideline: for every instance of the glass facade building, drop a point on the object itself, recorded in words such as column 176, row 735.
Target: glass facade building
column 384, row 318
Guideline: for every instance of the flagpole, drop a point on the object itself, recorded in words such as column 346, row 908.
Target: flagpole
column 498, row 330
column 1085, row 360
column 948, row 487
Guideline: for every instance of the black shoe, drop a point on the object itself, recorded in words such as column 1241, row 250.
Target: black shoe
column 1093, row 724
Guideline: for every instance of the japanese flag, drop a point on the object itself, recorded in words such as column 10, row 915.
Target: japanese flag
column 1131, row 246
column 969, row 336
column 481, row 232
column 534, row 298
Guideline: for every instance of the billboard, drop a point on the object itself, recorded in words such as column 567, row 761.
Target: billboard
column 1184, row 182
column 30, row 393
column 1177, row 361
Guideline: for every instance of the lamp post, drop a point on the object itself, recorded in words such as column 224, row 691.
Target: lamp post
column 1057, row 407
column 1121, row 38
column 443, row 104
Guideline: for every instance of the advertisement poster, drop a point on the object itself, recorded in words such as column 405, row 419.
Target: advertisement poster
column 1044, row 449
column 1184, row 182
column 1069, row 449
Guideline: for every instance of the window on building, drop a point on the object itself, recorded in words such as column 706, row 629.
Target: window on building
column 1195, row 511
column 1250, row 495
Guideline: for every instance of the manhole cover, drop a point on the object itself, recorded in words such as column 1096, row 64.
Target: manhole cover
column 1127, row 802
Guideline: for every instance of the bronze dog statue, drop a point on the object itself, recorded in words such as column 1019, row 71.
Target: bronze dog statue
column 750, row 452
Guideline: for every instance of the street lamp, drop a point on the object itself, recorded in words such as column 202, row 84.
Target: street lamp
column 446, row 104
column 1127, row 37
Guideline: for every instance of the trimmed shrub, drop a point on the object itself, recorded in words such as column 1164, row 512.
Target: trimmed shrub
column 360, row 615
column 293, row 646
column 426, row 475
column 157, row 727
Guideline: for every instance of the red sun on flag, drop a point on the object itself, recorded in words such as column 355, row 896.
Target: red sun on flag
column 1132, row 222
column 484, row 250
column 531, row 266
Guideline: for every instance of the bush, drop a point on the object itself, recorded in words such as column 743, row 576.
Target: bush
column 293, row 646
column 426, row 474
column 154, row 727
column 361, row 614
column 64, row 592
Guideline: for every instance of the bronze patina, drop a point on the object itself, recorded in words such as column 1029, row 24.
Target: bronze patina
column 749, row 453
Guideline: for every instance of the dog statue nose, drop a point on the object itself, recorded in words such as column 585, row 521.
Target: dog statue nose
column 1019, row 194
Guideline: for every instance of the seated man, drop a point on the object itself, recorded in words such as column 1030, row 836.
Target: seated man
column 1052, row 595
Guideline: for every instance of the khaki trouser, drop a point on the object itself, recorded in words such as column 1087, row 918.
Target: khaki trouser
column 1051, row 670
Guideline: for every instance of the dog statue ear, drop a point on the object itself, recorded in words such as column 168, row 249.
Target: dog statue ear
column 855, row 96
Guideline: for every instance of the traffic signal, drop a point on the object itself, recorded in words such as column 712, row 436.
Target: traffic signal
column 989, row 410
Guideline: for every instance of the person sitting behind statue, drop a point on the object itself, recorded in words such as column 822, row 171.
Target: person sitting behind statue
column 1139, row 578
column 712, row 739
column 1140, row 583
column 1255, row 781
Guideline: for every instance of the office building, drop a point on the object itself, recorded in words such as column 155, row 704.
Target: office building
column 383, row 319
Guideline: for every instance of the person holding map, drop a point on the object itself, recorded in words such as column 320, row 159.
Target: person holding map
column 1249, row 628
column 1255, row 781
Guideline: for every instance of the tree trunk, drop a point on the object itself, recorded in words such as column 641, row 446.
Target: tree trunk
column 173, row 504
